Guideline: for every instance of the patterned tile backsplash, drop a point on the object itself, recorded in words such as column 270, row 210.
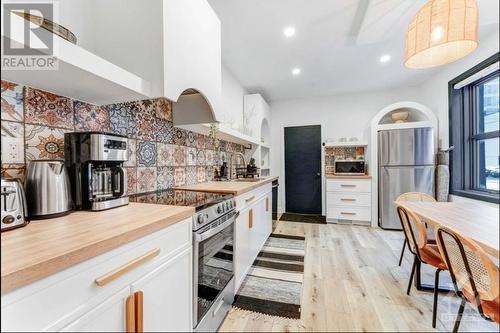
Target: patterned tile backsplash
column 160, row 155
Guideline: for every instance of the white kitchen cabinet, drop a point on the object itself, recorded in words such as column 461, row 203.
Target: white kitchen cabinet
column 348, row 200
column 253, row 227
column 167, row 295
column 92, row 295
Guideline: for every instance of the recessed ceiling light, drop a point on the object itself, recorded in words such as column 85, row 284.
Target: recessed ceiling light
column 296, row 71
column 289, row 31
column 385, row 58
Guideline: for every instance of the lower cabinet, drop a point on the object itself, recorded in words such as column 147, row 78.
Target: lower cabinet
column 253, row 227
column 145, row 285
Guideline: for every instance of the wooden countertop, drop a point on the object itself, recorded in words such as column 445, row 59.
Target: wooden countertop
column 348, row 177
column 232, row 187
column 479, row 222
column 46, row 247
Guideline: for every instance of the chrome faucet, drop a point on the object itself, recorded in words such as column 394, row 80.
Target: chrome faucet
column 233, row 165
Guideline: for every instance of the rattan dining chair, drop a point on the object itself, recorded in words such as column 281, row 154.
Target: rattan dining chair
column 424, row 252
column 474, row 274
column 414, row 196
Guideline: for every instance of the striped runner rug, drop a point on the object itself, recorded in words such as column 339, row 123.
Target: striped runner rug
column 273, row 285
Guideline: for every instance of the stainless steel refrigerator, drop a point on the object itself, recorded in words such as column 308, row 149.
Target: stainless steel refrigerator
column 406, row 164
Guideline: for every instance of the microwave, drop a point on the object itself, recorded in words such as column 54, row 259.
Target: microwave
column 349, row 167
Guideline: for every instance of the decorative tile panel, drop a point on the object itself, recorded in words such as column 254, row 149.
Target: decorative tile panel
column 179, row 176
column 200, row 157
column 201, row 174
column 191, row 156
column 132, row 153
column 145, row 119
column 44, row 108
column 146, row 179
column 191, row 175
column 131, row 180
column 179, row 136
column 165, row 154
column 191, row 139
column 13, row 173
column 164, row 109
column 179, row 156
column 44, row 143
column 165, row 177
column 146, row 153
column 121, row 119
column 180, row 198
column 12, row 101
column 90, row 117
column 210, row 173
column 209, row 157
column 166, row 198
column 164, row 131
column 12, row 143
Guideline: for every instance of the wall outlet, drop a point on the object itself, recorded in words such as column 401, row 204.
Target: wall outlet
column 12, row 150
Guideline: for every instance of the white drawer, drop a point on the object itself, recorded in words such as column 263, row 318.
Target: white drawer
column 349, row 185
column 58, row 299
column 349, row 213
column 250, row 197
column 348, row 199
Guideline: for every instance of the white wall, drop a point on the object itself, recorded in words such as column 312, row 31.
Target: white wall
column 349, row 115
column 232, row 100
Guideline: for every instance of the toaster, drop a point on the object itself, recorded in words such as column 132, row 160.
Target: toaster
column 13, row 205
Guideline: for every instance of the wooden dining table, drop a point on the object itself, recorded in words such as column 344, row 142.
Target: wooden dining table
column 476, row 221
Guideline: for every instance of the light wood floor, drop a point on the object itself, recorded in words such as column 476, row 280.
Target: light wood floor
column 352, row 283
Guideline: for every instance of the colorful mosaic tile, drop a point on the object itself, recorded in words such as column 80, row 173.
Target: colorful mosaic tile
column 191, row 139
column 121, row 119
column 180, row 198
column 191, row 175
column 200, row 157
column 201, row 174
column 146, row 153
column 179, row 156
column 165, row 177
column 90, row 117
column 131, row 180
column 132, row 153
column 165, row 154
column 179, row 176
column 201, row 141
column 191, row 156
column 12, row 142
column 210, row 173
column 44, row 108
column 164, row 131
column 146, row 179
column 164, row 109
column 44, row 143
column 12, row 101
column 209, row 157
column 13, row 173
column 166, row 198
column 145, row 119
column 179, row 136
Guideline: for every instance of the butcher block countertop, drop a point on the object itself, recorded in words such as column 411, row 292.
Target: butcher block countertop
column 348, row 177
column 232, row 187
column 46, row 247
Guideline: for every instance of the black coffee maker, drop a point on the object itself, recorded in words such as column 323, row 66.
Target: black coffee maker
column 95, row 166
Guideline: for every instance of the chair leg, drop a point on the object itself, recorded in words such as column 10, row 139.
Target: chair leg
column 411, row 274
column 459, row 315
column 436, row 291
column 402, row 253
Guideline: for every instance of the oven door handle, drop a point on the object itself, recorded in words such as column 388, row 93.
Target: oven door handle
column 209, row 233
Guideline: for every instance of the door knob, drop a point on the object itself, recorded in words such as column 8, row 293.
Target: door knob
column 318, row 174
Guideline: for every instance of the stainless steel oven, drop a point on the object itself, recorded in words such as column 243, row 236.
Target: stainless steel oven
column 213, row 271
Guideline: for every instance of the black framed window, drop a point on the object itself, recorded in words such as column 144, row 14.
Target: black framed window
column 475, row 132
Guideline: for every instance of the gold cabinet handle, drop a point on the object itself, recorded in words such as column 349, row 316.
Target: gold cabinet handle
column 347, row 213
column 250, row 199
column 347, row 185
column 347, row 199
column 267, row 204
column 118, row 272
column 250, row 219
column 139, row 313
column 130, row 314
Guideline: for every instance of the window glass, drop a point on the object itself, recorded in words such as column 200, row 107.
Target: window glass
column 489, row 106
column 488, row 164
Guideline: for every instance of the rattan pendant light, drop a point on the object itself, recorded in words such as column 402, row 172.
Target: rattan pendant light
column 441, row 32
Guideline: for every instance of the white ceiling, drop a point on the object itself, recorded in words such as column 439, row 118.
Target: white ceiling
column 337, row 44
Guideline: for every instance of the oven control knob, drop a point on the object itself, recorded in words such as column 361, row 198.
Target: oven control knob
column 201, row 219
column 8, row 219
column 219, row 209
column 229, row 204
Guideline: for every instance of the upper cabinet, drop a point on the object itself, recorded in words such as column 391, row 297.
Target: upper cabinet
column 132, row 49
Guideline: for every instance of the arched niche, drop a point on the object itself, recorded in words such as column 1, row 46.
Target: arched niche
column 192, row 107
column 420, row 116
column 265, row 132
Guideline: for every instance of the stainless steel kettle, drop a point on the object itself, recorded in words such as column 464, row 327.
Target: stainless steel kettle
column 47, row 189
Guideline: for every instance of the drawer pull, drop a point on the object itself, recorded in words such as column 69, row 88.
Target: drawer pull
column 250, row 199
column 250, row 219
column 347, row 199
column 347, row 185
column 347, row 213
column 122, row 270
